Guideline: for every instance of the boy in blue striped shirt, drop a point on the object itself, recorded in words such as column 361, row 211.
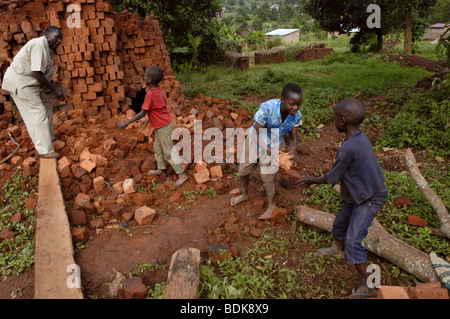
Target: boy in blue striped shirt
column 275, row 120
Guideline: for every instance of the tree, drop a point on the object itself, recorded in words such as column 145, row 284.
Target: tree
column 410, row 9
column 177, row 18
column 343, row 16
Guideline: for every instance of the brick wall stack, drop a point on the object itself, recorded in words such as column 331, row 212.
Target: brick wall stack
column 102, row 62
column 237, row 60
column 274, row 55
column 314, row 52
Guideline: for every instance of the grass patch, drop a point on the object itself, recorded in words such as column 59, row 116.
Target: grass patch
column 393, row 218
column 17, row 254
column 421, row 123
column 318, row 79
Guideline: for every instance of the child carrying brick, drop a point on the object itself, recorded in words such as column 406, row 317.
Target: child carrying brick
column 357, row 170
column 161, row 121
column 275, row 120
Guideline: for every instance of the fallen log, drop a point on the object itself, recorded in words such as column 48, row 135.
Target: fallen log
column 183, row 277
column 433, row 199
column 381, row 243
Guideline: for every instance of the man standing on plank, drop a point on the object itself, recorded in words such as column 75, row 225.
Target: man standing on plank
column 29, row 81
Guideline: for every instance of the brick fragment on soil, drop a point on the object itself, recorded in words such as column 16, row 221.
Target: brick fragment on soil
column 144, row 215
column 134, row 288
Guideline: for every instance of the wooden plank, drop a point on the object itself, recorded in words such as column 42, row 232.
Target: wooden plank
column 53, row 248
column 183, row 277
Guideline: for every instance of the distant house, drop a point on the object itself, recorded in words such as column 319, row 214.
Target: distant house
column 288, row 35
column 435, row 31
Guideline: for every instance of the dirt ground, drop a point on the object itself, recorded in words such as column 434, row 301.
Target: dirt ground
column 180, row 222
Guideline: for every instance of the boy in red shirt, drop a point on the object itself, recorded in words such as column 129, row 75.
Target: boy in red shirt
column 160, row 119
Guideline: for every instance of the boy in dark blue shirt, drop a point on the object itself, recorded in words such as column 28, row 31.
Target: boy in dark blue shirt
column 357, row 170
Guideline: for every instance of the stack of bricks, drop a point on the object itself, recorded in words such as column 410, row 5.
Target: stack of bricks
column 101, row 60
column 237, row 60
column 274, row 55
column 310, row 54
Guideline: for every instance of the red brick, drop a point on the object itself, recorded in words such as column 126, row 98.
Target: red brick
column 80, row 234
column 109, row 144
column 200, row 166
column 76, row 216
column 31, row 202
column 416, row 221
column 99, row 184
column 392, row 292
column 142, row 199
column 134, row 288
column 6, row 233
column 97, row 223
column 29, row 162
column 129, row 186
column 17, row 217
column 64, row 167
column 144, row 215
column 216, row 171
column 202, row 176
column 432, row 290
column 81, row 199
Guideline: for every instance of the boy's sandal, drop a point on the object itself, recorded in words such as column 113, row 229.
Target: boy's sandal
column 50, row 155
column 361, row 295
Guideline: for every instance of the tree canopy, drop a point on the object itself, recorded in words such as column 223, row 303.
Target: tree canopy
column 344, row 16
column 178, row 18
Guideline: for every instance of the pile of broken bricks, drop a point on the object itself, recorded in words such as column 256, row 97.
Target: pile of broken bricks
column 101, row 62
column 101, row 168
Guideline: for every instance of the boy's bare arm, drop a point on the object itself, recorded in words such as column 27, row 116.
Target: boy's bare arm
column 135, row 118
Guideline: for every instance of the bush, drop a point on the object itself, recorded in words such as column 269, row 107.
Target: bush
column 422, row 123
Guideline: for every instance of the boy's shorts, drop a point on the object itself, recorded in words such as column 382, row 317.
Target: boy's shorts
column 252, row 157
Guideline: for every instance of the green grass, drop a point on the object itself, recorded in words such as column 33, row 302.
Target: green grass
column 407, row 117
column 394, row 218
column 17, row 254
column 318, row 79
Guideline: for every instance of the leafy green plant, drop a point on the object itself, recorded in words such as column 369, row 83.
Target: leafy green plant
column 195, row 43
column 443, row 46
column 17, row 254
column 142, row 267
column 422, row 123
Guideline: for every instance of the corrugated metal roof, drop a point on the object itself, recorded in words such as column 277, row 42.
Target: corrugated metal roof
column 438, row 25
column 282, row 32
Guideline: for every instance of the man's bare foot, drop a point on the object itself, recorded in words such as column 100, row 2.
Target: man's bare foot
column 181, row 179
column 239, row 199
column 154, row 172
column 268, row 213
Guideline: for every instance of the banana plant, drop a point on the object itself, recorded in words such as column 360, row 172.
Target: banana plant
column 195, row 43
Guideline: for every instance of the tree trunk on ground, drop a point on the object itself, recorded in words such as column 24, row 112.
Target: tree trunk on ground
column 183, row 277
column 408, row 32
column 381, row 243
column 433, row 199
